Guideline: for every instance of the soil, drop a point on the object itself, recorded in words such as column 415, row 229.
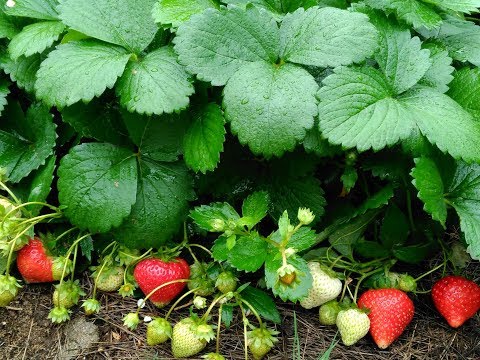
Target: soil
column 26, row 333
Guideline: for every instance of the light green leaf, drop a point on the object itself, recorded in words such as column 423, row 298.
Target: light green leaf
column 40, row 185
column 272, row 6
column 414, row 12
column 79, row 71
column 127, row 23
column 262, row 303
column 297, row 290
column 260, row 101
column 428, row 181
column 465, row 90
column 25, row 141
column 158, row 137
column 156, row 84
column 37, row 9
column 97, row 184
column 290, row 193
column 255, row 207
column 249, row 253
column 8, row 29
column 219, row 249
column 400, row 56
column 175, row 12
column 208, row 216
column 96, row 120
column 439, row 75
column 215, row 44
column 164, row 190
column 204, row 138
column 326, row 37
column 35, row 38
column 23, row 71
column 458, row 136
column 357, row 109
column 316, row 143
column 465, row 6
column 4, row 91
column 303, row 239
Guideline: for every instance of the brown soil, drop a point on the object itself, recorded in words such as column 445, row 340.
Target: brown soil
column 26, row 333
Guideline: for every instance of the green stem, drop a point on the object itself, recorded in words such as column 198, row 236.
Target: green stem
column 252, row 309
column 245, row 338
column 38, row 219
column 201, row 247
column 96, row 279
column 219, row 325
column 430, row 271
column 69, row 252
column 136, row 260
column 214, row 302
column 74, row 263
column 18, row 207
column 12, row 195
column 160, row 287
column 409, row 210
column 65, row 233
column 363, row 277
column 178, row 301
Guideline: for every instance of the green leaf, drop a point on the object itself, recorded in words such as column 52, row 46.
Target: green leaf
column 262, row 303
column 376, row 201
column 176, row 12
column 428, row 181
column 461, row 38
column 297, row 290
column 158, row 138
column 255, row 207
column 412, row 254
column 219, row 249
column 127, row 23
column 25, row 141
column 96, row 120
column 465, row 6
column 156, row 84
column 346, row 236
column 260, row 101
column 414, row 12
column 371, row 249
column 292, row 193
column 439, row 75
column 357, row 109
column 249, row 253
column 366, row 115
column 349, row 178
column 316, row 143
column 78, row 71
column 23, row 71
column 227, row 315
column 205, row 215
column 97, row 184
column 203, row 141
column 3, row 263
column 274, row 7
column 465, row 90
column 326, row 37
column 163, row 193
column 35, row 38
column 37, row 9
column 8, row 29
column 303, row 239
column 215, row 44
column 395, row 227
column 400, row 56
column 40, row 185
column 4, row 91
column 86, row 245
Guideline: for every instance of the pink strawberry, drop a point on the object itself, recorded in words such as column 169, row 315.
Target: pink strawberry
column 391, row 310
column 153, row 272
column 456, row 298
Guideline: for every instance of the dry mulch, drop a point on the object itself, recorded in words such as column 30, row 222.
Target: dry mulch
column 26, row 333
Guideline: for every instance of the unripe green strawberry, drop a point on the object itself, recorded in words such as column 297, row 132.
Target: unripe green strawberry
column 110, row 278
column 261, row 341
column 59, row 315
column 8, row 289
column 325, row 286
column 328, row 312
column 226, row 282
column 353, row 325
column 67, row 294
column 213, row 356
column 190, row 336
column 91, row 306
column 159, row 331
column 200, row 280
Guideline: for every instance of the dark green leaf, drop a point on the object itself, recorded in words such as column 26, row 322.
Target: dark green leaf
column 249, row 253
column 227, row 315
column 86, row 245
column 23, row 71
column 255, row 207
column 262, row 303
column 371, row 249
column 412, row 254
column 395, row 227
column 40, row 185
column 206, row 215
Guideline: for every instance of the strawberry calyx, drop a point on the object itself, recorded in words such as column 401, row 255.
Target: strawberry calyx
column 59, row 315
column 261, row 340
column 67, row 294
column 131, row 320
column 91, row 306
column 159, row 330
column 126, row 289
column 8, row 289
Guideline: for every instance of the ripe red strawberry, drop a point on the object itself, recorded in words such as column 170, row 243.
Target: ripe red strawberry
column 37, row 266
column 150, row 273
column 391, row 310
column 456, row 298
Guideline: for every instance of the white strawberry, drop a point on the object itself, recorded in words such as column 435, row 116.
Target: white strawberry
column 325, row 286
column 353, row 325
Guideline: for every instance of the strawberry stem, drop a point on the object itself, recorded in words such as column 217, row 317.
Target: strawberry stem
column 162, row 286
column 245, row 339
column 175, row 304
column 219, row 325
column 96, row 279
column 430, row 271
column 201, row 247
column 254, row 312
column 12, row 195
column 214, row 302
column 18, row 207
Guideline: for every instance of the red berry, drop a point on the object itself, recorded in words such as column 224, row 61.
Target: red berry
column 456, row 298
column 151, row 273
column 34, row 264
column 391, row 310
